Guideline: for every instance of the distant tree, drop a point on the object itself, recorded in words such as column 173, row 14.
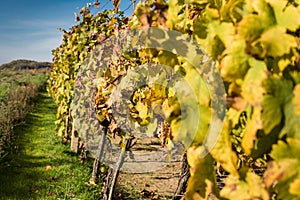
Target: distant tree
column 22, row 64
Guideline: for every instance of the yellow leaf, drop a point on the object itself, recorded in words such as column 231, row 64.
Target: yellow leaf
column 202, row 181
column 276, row 42
column 252, row 87
column 251, row 188
column 295, row 187
column 142, row 109
column 251, row 129
column 222, row 151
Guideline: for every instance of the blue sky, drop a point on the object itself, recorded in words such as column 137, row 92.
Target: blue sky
column 28, row 28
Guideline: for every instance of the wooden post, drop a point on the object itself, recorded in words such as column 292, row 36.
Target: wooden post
column 184, row 177
column 113, row 173
column 100, row 150
column 74, row 139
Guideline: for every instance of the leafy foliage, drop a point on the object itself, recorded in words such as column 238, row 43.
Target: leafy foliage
column 71, row 54
column 255, row 45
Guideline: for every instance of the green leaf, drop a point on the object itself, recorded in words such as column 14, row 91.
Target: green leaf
column 284, row 170
column 222, row 151
column 253, row 25
column 283, row 64
column 167, row 58
column 173, row 13
column 225, row 31
column 200, row 29
column 252, row 87
column 193, row 125
column 278, row 93
column 233, row 10
column 287, row 16
column 289, row 150
column 190, row 115
column 295, row 76
column 276, row 42
column 198, row 85
column 271, row 114
column 233, row 116
column 292, row 125
column 263, row 143
column 235, row 64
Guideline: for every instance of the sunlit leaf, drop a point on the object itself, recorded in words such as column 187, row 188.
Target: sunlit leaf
column 225, row 31
column 173, row 13
column 252, row 87
column 202, row 181
column 286, row 15
column 276, row 42
column 142, row 109
column 252, row 25
column 295, row 187
column 251, row 188
column 222, row 151
column 285, row 167
column 235, row 63
column 252, row 126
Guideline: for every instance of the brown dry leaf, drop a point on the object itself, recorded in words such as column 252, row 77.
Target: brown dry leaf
column 116, row 5
column 238, row 103
column 97, row 4
column 77, row 18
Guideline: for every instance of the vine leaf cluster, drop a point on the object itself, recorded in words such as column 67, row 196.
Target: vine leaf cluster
column 255, row 45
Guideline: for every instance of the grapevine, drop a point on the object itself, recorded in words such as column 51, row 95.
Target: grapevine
column 71, row 54
column 255, row 46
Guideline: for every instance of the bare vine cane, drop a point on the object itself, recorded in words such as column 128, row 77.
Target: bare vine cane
column 97, row 160
column 114, row 172
column 183, row 179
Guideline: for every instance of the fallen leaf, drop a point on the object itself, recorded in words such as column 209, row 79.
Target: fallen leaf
column 48, row 167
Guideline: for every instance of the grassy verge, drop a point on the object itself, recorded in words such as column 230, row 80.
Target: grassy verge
column 17, row 91
column 41, row 167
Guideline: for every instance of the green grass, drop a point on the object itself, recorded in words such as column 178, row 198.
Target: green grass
column 23, row 175
column 4, row 87
column 11, row 79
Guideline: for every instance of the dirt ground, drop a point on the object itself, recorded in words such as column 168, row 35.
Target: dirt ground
column 160, row 180
column 160, row 184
